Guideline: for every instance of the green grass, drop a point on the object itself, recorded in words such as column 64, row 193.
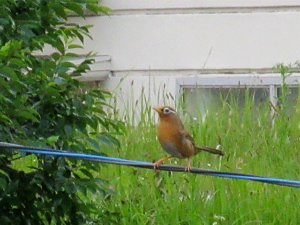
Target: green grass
column 254, row 143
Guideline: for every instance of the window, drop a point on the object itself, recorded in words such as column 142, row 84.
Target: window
column 209, row 92
column 292, row 99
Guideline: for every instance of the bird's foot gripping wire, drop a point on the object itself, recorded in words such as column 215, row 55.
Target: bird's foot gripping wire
column 156, row 164
column 188, row 167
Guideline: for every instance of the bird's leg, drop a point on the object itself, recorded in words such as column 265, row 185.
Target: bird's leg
column 156, row 164
column 188, row 167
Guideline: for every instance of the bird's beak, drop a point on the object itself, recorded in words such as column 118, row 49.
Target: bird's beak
column 156, row 109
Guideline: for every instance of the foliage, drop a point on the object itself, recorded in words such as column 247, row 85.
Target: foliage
column 42, row 105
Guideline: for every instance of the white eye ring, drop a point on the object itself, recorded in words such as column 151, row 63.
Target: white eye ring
column 167, row 111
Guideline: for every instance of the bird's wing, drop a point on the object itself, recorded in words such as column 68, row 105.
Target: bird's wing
column 188, row 144
column 186, row 134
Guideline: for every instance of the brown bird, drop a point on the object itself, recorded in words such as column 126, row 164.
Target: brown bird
column 175, row 139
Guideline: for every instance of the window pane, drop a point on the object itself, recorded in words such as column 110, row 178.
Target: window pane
column 291, row 99
column 202, row 100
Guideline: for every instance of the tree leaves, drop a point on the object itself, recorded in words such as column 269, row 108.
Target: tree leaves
column 28, row 113
column 41, row 105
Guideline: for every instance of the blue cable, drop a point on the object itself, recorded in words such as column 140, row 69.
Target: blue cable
column 69, row 154
column 84, row 156
column 148, row 165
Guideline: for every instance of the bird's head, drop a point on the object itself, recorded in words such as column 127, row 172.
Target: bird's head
column 165, row 112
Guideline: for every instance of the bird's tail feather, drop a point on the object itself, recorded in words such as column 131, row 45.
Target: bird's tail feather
column 210, row 150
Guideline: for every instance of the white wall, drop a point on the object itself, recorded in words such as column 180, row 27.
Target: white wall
column 184, row 41
column 153, row 42
column 164, row 4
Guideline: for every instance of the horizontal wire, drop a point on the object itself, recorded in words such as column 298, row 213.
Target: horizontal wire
column 148, row 165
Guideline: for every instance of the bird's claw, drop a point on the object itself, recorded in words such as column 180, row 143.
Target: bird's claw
column 156, row 165
column 188, row 169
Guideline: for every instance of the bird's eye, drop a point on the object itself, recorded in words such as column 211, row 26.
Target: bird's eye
column 166, row 110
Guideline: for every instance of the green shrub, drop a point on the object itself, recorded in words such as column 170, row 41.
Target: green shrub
column 42, row 105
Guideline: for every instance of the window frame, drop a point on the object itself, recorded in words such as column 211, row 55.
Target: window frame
column 271, row 81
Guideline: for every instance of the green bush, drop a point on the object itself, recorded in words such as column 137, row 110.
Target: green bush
column 42, row 105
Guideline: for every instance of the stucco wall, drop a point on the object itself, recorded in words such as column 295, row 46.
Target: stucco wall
column 151, row 43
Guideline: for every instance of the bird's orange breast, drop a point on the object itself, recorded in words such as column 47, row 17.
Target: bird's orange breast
column 172, row 140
